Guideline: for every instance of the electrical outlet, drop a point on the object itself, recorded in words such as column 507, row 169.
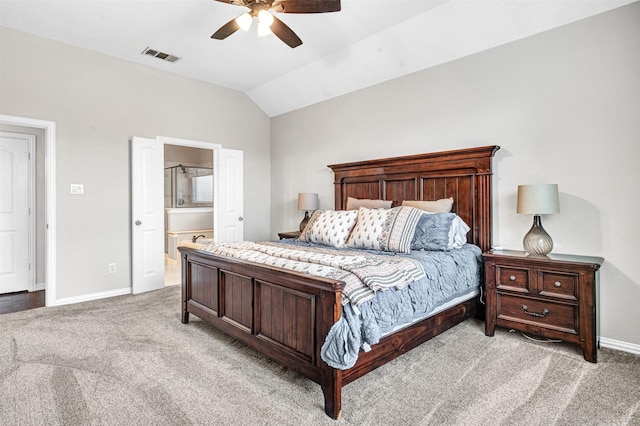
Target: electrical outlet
column 112, row 268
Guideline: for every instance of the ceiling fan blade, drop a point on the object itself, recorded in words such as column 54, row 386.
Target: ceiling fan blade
column 284, row 33
column 306, row 6
column 226, row 30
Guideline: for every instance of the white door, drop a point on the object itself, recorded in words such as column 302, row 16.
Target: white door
column 147, row 214
column 229, row 225
column 15, row 199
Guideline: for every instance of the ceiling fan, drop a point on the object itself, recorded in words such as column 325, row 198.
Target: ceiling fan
column 267, row 23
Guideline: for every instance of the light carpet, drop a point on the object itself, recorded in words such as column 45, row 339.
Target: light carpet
column 130, row 361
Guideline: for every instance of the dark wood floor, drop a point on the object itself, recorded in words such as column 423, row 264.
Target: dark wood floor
column 14, row 302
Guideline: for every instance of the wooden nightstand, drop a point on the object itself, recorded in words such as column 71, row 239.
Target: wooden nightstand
column 552, row 296
column 287, row 235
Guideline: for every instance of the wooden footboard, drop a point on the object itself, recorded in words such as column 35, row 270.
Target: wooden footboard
column 282, row 314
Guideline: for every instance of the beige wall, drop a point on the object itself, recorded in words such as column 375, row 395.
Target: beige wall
column 99, row 103
column 563, row 105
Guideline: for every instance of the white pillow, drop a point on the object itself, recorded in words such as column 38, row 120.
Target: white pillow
column 458, row 233
column 385, row 229
column 329, row 227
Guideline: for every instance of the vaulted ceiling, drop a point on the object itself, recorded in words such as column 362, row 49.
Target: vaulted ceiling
column 367, row 42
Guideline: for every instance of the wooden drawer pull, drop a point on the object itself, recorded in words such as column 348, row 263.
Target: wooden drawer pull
column 512, row 278
column 558, row 284
column 544, row 313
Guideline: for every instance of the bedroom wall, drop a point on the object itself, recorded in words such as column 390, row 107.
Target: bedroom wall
column 98, row 103
column 565, row 108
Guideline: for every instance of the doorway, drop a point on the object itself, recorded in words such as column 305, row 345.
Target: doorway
column 45, row 231
column 188, row 203
column 148, row 230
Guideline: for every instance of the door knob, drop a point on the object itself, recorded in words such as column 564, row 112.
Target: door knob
column 138, row 223
column 241, row 218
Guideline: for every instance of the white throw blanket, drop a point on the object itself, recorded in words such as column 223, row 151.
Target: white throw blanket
column 363, row 273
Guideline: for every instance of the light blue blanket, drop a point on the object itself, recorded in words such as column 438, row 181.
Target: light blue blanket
column 449, row 275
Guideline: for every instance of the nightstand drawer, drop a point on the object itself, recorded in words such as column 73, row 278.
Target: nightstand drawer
column 554, row 316
column 513, row 279
column 554, row 284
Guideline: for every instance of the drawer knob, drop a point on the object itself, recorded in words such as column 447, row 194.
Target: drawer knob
column 558, row 284
column 544, row 313
column 512, row 278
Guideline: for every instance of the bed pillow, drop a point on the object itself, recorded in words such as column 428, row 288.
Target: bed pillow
column 458, row 233
column 440, row 232
column 385, row 229
column 329, row 227
column 432, row 232
column 442, row 205
column 355, row 204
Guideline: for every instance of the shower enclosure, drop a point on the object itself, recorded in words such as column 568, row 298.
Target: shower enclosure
column 188, row 186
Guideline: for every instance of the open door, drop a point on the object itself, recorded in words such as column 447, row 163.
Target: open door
column 17, row 213
column 147, row 214
column 229, row 215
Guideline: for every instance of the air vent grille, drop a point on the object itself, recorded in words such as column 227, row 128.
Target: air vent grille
column 160, row 55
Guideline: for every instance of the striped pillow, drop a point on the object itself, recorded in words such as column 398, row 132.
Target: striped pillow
column 386, row 230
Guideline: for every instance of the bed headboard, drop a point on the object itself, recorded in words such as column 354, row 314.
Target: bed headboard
column 463, row 174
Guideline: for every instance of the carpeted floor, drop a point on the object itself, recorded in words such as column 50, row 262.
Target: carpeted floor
column 130, row 361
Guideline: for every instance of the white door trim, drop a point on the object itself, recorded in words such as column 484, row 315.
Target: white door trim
column 49, row 128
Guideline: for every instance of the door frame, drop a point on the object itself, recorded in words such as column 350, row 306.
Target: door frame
column 49, row 128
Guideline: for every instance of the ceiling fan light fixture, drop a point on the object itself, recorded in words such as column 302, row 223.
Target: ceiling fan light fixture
column 265, row 18
column 244, row 21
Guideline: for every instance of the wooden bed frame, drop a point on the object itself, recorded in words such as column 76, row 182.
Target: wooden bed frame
column 287, row 315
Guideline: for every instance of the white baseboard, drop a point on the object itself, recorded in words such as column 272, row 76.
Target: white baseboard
column 93, row 296
column 620, row 346
column 40, row 286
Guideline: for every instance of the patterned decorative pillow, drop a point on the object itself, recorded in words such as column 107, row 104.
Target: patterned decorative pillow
column 442, row 205
column 385, row 229
column 356, row 203
column 329, row 227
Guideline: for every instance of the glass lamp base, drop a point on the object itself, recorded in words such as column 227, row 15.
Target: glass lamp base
column 537, row 241
column 305, row 220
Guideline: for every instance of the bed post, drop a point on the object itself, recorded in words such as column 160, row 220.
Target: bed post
column 185, row 285
column 332, row 389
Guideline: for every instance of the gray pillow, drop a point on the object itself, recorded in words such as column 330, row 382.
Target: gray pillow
column 432, row 232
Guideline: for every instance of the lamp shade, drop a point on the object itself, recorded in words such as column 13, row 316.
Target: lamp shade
column 307, row 201
column 538, row 199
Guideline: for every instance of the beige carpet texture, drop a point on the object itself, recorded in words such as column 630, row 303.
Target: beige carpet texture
column 130, row 361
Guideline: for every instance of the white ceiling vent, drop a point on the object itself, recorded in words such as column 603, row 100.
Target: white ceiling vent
column 160, row 55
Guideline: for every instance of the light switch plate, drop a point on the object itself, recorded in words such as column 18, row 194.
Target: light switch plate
column 77, row 189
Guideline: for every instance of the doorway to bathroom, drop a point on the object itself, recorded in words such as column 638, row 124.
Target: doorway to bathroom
column 188, row 203
column 147, row 208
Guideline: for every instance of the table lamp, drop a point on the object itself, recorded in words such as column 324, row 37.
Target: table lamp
column 307, row 201
column 537, row 200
